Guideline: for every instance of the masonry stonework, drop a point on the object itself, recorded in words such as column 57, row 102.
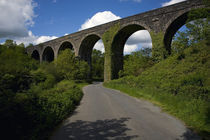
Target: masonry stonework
column 165, row 21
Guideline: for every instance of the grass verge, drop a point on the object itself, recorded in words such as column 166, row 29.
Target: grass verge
column 194, row 113
column 180, row 85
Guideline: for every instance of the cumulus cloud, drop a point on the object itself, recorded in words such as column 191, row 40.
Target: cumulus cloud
column 33, row 39
column 15, row 16
column 99, row 18
column 171, row 2
column 99, row 46
column 130, row 48
column 138, row 39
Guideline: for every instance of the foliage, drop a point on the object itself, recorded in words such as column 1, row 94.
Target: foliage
column 97, row 65
column 198, row 29
column 159, row 51
column 32, row 102
column 37, row 111
column 15, row 67
column 137, row 62
column 70, row 67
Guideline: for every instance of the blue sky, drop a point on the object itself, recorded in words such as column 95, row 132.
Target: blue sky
column 66, row 16
column 36, row 21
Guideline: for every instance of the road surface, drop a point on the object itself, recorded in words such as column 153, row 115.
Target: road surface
column 106, row 114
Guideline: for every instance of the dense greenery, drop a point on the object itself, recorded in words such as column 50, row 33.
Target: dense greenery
column 34, row 98
column 70, row 67
column 137, row 62
column 97, row 70
column 180, row 83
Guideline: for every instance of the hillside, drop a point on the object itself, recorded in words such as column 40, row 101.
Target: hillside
column 179, row 84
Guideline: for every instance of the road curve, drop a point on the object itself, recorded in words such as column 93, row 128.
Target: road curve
column 106, row 114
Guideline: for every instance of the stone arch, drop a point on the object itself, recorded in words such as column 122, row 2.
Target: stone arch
column 118, row 46
column 173, row 26
column 48, row 54
column 86, row 47
column 65, row 45
column 35, row 55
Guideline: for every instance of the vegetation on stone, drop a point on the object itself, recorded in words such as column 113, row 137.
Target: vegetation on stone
column 108, row 38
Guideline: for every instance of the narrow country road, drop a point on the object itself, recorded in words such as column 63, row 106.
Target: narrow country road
column 106, row 114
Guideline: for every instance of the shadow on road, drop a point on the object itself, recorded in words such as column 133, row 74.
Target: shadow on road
column 189, row 135
column 98, row 130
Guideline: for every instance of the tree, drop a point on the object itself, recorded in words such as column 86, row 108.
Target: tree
column 70, row 67
column 137, row 62
column 197, row 30
column 97, row 64
column 15, row 67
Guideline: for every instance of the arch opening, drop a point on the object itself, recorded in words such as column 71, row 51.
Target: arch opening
column 65, row 45
column 97, row 61
column 35, row 55
column 48, row 54
column 87, row 52
column 127, row 40
column 86, row 47
column 175, row 26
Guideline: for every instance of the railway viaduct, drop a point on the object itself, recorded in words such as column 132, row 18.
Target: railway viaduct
column 161, row 23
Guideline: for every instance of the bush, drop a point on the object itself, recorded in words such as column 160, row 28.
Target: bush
column 70, row 67
column 33, row 114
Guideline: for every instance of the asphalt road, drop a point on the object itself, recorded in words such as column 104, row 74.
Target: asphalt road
column 106, row 114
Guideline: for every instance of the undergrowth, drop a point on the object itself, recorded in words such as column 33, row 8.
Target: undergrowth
column 34, row 114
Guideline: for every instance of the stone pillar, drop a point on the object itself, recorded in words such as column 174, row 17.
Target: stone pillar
column 107, row 39
column 159, row 51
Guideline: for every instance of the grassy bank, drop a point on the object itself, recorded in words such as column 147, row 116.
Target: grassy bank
column 34, row 114
column 180, row 85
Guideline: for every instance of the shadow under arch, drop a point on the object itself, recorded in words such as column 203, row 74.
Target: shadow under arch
column 35, row 55
column 86, row 47
column 118, row 46
column 175, row 25
column 65, row 45
column 48, row 54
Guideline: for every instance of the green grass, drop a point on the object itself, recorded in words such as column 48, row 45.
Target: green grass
column 180, row 85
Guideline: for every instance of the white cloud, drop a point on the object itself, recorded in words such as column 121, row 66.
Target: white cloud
column 15, row 16
column 141, row 36
column 138, row 39
column 99, row 18
column 33, row 39
column 130, row 48
column 171, row 2
column 99, row 46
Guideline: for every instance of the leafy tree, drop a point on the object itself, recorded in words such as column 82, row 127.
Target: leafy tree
column 70, row 67
column 137, row 62
column 15, row 67
column 197, row 30
column 97, row 65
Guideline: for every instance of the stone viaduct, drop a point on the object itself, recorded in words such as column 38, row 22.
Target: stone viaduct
column 161, row 23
